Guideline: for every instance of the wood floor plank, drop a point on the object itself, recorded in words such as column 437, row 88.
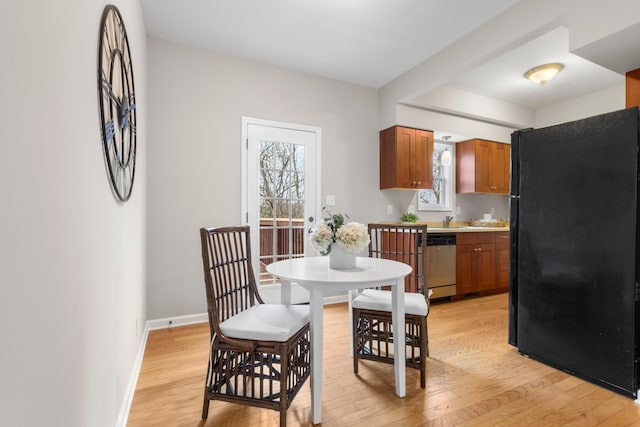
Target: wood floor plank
column 474, row 378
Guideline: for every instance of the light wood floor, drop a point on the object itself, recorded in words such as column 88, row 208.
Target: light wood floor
column 474, row 378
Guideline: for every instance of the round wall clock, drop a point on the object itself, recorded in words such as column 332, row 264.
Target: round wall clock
column 117, row 102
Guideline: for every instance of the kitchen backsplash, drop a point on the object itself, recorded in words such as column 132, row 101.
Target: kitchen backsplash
column 472, row 206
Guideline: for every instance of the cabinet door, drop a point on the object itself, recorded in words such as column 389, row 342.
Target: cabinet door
column 484, row 266
column 502, row 259
column 405, row 139
column 483, row 166
column 422, row 159
column 500, row 168
column 465, row 281
column 502, row 265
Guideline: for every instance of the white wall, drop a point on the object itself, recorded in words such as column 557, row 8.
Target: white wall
column 197, row 101
column 463, row 103
column 72, row 259
column 606, row 32
column 602, row 101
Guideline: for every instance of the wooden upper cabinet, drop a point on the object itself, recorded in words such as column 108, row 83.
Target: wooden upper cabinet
column 632, row 88
column 406, row 158
column 482, row 167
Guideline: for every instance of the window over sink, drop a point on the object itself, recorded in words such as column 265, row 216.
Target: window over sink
column 440, row 197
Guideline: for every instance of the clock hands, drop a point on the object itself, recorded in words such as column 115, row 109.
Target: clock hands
column 106, row 87
column 125, row 113
column 124, row 108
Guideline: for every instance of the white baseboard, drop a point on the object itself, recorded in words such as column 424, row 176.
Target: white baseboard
column 190, row 319
column 335, row 299
column 171, row 322
column 123, row 416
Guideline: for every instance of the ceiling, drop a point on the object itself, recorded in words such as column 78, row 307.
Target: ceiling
column 503, row 77
column 372, row 43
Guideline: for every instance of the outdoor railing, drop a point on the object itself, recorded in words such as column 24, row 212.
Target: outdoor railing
column 278, row 239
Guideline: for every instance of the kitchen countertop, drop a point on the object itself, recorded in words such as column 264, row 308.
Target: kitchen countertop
column 464, row 229
column 459, row 227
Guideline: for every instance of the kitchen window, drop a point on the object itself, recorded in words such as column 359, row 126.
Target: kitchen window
column 439, row 198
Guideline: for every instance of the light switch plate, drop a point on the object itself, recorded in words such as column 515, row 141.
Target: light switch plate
column 389, row 209
column 331, row 200
column 458, row 210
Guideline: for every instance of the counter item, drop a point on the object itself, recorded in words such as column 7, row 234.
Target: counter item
column 574, row 248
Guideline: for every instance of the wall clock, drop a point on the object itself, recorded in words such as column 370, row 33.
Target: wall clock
column 117, row 102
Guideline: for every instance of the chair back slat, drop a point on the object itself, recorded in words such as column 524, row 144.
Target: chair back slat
column 229, row 279
column 403, row 243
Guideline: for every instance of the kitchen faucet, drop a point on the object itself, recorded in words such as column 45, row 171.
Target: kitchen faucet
column 446, row 222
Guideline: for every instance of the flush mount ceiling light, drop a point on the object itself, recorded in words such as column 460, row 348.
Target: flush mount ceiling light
column 543, row 73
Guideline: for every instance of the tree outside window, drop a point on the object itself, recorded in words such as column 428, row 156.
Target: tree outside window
column 439, row 198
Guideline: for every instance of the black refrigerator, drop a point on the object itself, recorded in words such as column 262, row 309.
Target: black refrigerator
column 574, row 289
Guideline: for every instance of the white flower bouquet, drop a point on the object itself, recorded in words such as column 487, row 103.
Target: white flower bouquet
column 352, row 236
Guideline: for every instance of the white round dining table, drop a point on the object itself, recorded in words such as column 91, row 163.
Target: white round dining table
column 314, row 274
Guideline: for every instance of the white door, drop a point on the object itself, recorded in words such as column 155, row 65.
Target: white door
column 280, row 190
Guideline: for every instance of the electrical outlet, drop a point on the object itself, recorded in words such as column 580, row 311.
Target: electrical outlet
column 331, row 200
column 458, row 210
column 389, row 209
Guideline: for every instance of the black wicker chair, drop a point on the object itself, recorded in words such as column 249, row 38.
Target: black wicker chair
column 260, row 353
column 372, row 326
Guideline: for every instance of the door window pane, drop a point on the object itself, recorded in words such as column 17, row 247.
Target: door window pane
column 281, row 180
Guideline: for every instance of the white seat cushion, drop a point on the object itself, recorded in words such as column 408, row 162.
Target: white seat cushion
column 267, row 322
column 375, row 299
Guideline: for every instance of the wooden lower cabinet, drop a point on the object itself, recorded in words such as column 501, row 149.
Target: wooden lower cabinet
column 475, row 262
column 502, row 259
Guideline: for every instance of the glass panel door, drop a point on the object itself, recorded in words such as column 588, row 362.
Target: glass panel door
column 281, row 193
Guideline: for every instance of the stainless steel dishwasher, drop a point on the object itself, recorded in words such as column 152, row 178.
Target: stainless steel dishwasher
column 441, row 265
